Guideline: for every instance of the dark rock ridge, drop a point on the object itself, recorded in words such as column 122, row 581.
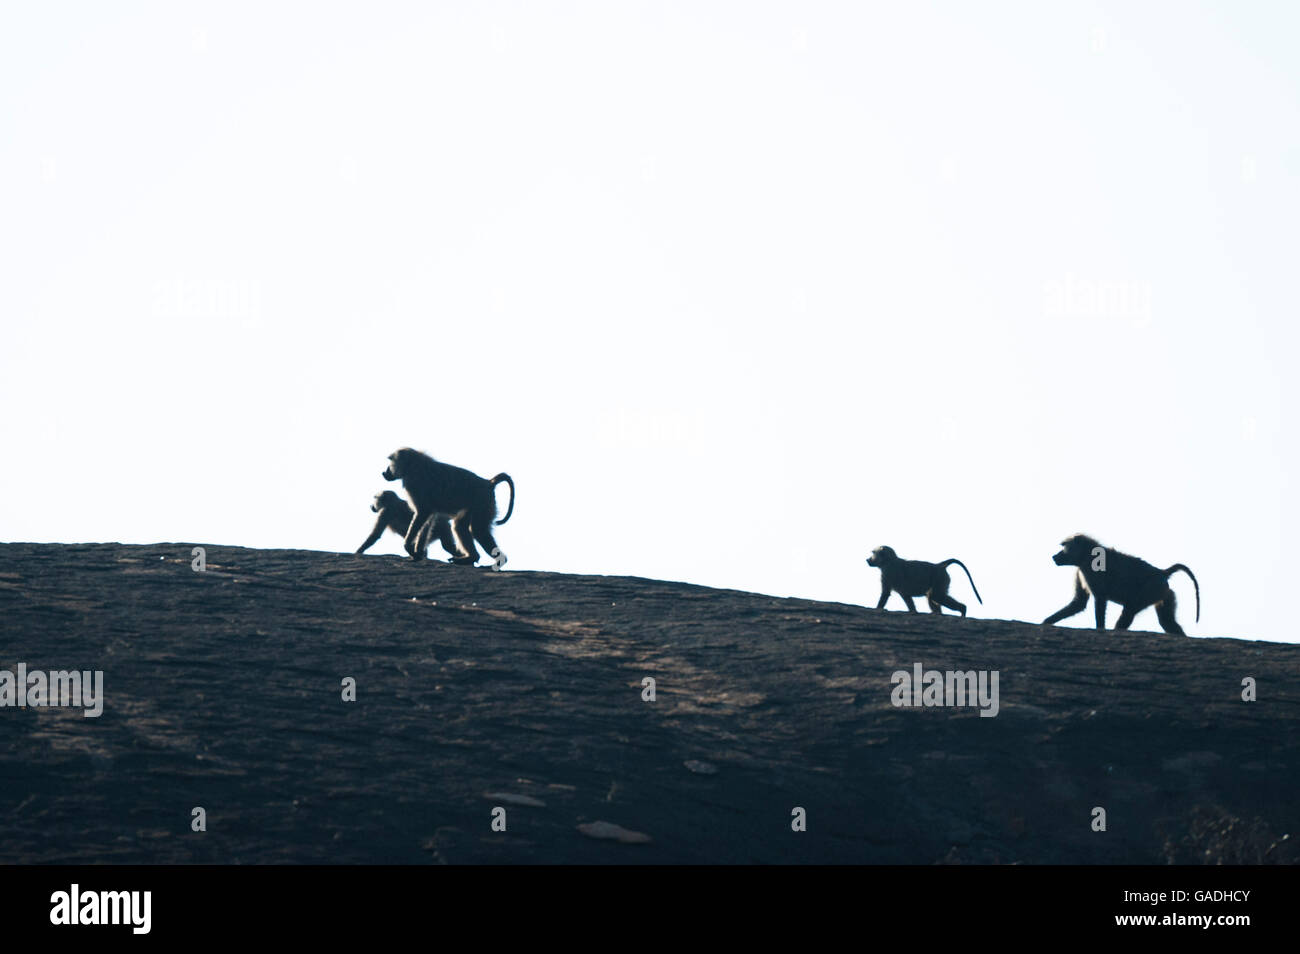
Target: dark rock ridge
column 523, row 691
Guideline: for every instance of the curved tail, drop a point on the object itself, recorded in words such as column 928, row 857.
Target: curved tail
column 1174, row 569
column 500, row 478
column 968, row 576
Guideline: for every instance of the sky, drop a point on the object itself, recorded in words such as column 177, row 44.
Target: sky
column 734, row 291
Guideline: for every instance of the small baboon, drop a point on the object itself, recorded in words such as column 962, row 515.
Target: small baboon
column 917, row 578
column 395, row 515
column 468, row 500
column 1107, row 574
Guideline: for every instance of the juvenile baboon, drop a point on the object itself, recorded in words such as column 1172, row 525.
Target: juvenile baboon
column 395, row 515
column 917, row 578
column 438, row 489
column 1107, row 574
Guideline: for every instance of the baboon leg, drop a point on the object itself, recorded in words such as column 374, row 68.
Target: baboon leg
column 413, row 532
column 411, row 541
column 465, row 537
column 481, row 525
column 1100, row 606
column 445, row 536
column 884, row 597
column 439, row 528
column 1165, row 613
column 1126, row 618
column 448, row 530
column 911, row 607
column 380, row 527
column 422, row 538
column 938, row 597
column 952, row 604
column 1074, row 606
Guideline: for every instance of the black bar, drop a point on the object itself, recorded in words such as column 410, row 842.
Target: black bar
column 333, row 904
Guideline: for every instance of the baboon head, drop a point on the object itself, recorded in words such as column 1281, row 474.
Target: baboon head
column 396, row 468
column 385, row 500
column 1076, row 551
column 882, row 556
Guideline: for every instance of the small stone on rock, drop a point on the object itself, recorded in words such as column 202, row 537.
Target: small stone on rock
column 608, row 830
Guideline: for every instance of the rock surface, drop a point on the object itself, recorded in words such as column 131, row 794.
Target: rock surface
column 223, row 690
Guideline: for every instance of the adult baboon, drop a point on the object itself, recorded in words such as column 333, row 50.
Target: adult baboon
column 917, row 578
column 1107, row 575
column 437, row 489
column 395, row 515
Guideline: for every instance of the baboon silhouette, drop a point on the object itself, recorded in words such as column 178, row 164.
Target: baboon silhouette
column 1106, row 574
column 438, row 489
column 917, row 578
column 395, row 515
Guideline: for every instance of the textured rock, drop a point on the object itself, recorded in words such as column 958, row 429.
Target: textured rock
column 223, row 690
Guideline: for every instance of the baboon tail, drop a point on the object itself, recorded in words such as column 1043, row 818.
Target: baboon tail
column 968, row 576
column 499, row 478
column 1174, row 569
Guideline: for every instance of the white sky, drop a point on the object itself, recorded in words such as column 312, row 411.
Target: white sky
column 735, row 292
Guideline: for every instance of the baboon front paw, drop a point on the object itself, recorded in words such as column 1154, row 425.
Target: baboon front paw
column 498, row 559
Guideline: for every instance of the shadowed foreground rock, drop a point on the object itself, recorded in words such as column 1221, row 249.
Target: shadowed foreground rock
column 223, row 690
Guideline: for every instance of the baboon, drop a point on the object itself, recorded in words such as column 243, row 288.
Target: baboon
column 917, row 578
column 1107, row 574
column 438, row 489
column 395, row 515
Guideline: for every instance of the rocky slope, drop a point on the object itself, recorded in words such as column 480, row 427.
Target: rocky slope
column 478, row 690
